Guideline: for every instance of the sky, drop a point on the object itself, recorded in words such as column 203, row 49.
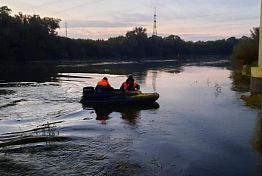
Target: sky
column 192, row 20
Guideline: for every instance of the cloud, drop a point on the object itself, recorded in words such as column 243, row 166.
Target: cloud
column 214, row 18
column 133, row 17
column 94, row 33
column 117, row 19
column 97, row 24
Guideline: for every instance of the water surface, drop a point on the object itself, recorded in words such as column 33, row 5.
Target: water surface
column 199, row 126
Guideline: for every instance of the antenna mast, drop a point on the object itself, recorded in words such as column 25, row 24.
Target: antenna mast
column 154, row 28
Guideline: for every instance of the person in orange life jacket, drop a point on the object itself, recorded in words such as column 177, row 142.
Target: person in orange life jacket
column 103, row 86
column 130, row 85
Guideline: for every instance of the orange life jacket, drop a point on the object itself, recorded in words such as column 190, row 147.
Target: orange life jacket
column 126, row 85
column 103, row 83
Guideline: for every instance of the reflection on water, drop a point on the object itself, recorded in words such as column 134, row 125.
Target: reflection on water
column 252, row 100
column 130, row 116
column 255, row 101
column 199, row 126
column 6, row 92
column 129, row 113
column 256, row 140
column 45, row 72
column 240, row 83
column 27, row 72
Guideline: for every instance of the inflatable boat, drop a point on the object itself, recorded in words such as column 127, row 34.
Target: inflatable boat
column 117, row 97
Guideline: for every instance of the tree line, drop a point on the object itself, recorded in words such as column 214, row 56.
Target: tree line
column 30, row 37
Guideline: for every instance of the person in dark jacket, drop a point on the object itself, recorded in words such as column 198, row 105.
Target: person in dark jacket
column 130, row 84
column 103, row 86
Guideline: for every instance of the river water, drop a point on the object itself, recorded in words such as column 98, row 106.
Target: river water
column 199, row 126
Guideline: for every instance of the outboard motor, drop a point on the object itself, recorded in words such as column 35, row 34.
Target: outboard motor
column 88, row 90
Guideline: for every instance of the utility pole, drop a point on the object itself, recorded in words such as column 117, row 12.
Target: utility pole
column 154, row 27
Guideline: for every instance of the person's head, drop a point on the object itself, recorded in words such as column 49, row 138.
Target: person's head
column 105, row 78
column 130, row 79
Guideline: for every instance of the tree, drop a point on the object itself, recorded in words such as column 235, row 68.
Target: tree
column 31, row 37
column 255, row 34
column 246, row 50
column 4, row 10
column 138, row 32
column 136, row 41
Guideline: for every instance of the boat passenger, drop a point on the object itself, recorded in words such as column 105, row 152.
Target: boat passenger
column 103, row 86
column 130, row 85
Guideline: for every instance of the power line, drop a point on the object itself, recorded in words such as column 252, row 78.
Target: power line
column 80, row 5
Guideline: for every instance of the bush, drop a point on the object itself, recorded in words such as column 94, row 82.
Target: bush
column 246, row 50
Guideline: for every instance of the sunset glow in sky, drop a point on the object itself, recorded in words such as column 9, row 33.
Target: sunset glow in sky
column 190, row 19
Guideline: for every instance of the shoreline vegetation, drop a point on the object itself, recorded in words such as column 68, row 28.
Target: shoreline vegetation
column 246, row 50
column 245, row 56
column 26, row 38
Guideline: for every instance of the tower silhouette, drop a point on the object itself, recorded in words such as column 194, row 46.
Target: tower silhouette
column 154, row 28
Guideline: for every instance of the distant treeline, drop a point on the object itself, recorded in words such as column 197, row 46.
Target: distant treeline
column 30, row 37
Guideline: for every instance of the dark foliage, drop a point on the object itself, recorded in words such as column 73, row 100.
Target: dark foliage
column 246, row 51
column 26, row 38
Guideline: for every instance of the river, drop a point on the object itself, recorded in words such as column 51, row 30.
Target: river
column 199, row 126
